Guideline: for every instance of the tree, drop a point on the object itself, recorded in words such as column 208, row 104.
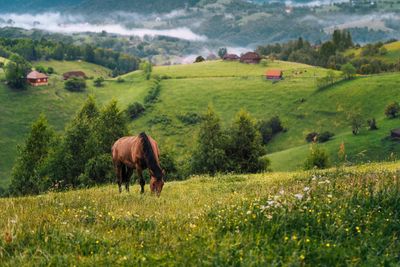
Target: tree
column 269, row 128
column 26, row 177
column 147, row 68
column 98, row 82
column 372, row 124
column 16, row 70
column 75, row 84
column 134, row 110
column 245, row 146
column 222, row 52
column 348, row 70
column 209, row 155
column 199, row 59
column 356, row 122
column 392, row 110
column 316, row 159
column 88, row 53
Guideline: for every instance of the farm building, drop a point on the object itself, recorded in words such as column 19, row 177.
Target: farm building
column 250, row 58
column 212, row 56
column 76, row 74
column 231, row 57
column 274, row 75
column 36, row 78
column 395, row 133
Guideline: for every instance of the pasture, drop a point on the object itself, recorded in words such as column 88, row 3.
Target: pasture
column 343, row 215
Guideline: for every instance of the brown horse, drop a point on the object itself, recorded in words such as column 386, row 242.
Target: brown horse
column 137, row 153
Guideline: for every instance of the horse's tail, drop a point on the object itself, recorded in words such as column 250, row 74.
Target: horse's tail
column 150, row 157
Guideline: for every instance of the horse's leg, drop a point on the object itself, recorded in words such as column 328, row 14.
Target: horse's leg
column 141, row 179
column 118, row 170
column 129, row 172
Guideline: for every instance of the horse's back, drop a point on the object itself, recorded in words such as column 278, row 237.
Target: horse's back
column 122, row 148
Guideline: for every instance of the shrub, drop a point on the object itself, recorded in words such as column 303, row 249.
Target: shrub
column 356, row 121
column 169, row 166
column 98, row 82
column 50, row 70
column 190, row 118
column 134, row 110
column 161, row 119
column 270, row 128
column 372, row 124
column 324, row 136
column 348, row 71
column 311, row 137
column 153, row 94
column 98, row 170
column 75, row 84
column 41, row 69
column 199, row 59
column 317, row 159
column 120, row 80
column 392, row 110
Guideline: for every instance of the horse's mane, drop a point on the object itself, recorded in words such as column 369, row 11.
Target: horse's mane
column 149, row 155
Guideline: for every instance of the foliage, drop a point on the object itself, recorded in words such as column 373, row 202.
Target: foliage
column 348, row 70
column 372, row 124
column 98, row 82
column 392, row 109
column 209, row 155
column 222, row 52
column 199, row 59
column 311, row 137
column 153, row 94
column 325, row 136
column 317, row 158
column 120, row 80
column 245, row 145
column 169, row 165
column 269, row 128
column 75, row 84
column 190, row 118
column 16, row 70
column 98, row 170
column 147, row 68
column 356, row 121
column 134, row 110
column 26, row 177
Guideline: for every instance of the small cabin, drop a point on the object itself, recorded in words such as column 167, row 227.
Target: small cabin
column 274, row 75
column 36, row 78
column 250, row 58
column 74, row 74
column 395, row 133
column 231, row 57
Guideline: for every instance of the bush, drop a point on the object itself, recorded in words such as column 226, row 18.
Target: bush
column 311, row 137
column 75, row 84
column 392, row 110
column 153, row 94
column 190, row 118
column 169, row 166
column 199, row 59
column 161, row 119
column 98, row 82
column 324, row 137
column 134, row 110
column 98, row 170
column 270, row 128
column 50, row 70
column 120, row 80
column 317, row 159
column 372, row 124
column 41, row 69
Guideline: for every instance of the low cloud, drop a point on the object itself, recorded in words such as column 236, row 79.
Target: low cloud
column 55, row 22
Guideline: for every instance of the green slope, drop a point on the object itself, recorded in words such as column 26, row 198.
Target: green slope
column 18, row 109
column 392, row 55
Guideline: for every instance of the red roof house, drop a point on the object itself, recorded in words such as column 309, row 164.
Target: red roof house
column 250, row 58
column 274, row 75
column 76, row 74
column 36, row 78
column 231, row 57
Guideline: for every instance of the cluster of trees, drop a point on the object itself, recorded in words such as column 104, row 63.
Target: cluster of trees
column 80, row 156
column 330, row 54
column 237, row 149
column 43, row 49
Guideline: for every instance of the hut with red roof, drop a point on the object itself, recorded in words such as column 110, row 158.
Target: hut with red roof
column 274, row 75
column 36, row 78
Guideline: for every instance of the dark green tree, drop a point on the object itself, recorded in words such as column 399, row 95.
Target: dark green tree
column 349, row 71
column 317, row 158
column 26, row 178
column 209, row 156
column 392, row 110
column 16, row 70
column 245, row 146
column 222, row 52
column 75, row 84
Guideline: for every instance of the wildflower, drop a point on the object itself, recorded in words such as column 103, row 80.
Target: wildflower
column 294, row 237
column 270, row 202
column 299, row 196
column 358, row 229
column 329, row 196
column 328, row 245
column 282, row 192
column 307, row 240
column 302, row 257
column 306, row 189
column 286, row 238
column 248, row 212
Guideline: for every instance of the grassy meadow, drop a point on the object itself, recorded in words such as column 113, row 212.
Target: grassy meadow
column 392, row 55
column 346, row 216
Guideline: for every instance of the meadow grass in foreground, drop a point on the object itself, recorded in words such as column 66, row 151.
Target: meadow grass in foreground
column 335, row 217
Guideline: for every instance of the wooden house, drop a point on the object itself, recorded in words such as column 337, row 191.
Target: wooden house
column 231, row 57
column 76, row 74
column 250, row 58
column 274, row 75
column 36, row 78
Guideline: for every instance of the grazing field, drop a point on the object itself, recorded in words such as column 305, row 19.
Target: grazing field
column 91, row 70
column 18, row 109
column 392, row 55
column 346, row 215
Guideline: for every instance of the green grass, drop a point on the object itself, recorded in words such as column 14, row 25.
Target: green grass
column 60, row 67
column 340, row 216
column 18, row 109
column 392, row 55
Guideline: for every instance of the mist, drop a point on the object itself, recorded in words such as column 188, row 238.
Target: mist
column 56, row 22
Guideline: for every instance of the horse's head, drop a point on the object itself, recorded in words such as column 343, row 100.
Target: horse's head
column 156, row 185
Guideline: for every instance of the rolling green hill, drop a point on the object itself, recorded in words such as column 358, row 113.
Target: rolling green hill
column 304, row 218
column 228, row 87
column 392, row 55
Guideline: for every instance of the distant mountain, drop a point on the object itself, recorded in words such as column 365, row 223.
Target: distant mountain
column 94, row 6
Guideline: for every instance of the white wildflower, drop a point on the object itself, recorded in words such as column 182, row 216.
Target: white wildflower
column 299, row 196
column 306, row 189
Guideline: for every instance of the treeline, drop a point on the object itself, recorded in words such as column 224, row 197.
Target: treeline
column 330, row 54
column 43, row 49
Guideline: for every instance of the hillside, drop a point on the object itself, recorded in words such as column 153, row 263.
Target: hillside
column 392, row 55
column 18, row 109
column 228, row 87
column 304, row 218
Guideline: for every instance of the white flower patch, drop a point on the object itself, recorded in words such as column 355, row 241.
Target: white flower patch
column 299, row 196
